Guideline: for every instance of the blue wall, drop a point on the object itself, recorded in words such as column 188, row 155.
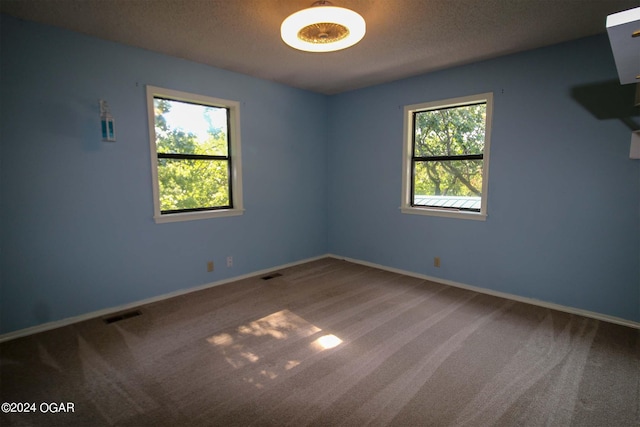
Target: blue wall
column 321, row 174
column 76, row 213
column 564, row 198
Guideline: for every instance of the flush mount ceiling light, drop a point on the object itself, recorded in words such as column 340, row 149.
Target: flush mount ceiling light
column 323, row 28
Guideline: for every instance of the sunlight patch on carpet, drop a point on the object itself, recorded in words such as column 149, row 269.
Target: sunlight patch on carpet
column 326, row 342
column 247, row 345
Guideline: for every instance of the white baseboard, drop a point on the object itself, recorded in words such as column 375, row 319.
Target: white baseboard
column 106, row 311
column 550, row 305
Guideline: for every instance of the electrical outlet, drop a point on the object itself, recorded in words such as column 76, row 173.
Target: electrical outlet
column 229, row 261
column 210, row 266
column 436, row 261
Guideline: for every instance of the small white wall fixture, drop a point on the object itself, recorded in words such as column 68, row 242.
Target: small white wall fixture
column 106, row 122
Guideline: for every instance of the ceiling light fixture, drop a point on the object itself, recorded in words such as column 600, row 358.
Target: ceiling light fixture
column 323, row 28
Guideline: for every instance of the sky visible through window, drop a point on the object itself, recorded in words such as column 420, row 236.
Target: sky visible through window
column 191, row 118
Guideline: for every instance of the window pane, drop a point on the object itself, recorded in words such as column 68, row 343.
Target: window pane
column 450, row 131
column 193, row 184
column 451, row 183
column 187, row 128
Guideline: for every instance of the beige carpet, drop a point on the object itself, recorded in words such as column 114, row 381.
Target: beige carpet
column 329, row 343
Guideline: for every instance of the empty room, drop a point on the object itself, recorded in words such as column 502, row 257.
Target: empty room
column 345, row 213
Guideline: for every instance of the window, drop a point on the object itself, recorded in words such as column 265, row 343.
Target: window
column 195, row 155
column 446, row 157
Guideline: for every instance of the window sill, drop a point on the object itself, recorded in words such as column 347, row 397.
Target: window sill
column 192, row 216
column 444, row 213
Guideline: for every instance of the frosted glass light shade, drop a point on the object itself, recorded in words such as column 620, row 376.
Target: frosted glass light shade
column 323, row 29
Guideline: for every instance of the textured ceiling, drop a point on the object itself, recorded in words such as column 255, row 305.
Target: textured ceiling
column 404, row 37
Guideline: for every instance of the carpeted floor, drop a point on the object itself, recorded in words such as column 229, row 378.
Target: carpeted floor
column 329, row 343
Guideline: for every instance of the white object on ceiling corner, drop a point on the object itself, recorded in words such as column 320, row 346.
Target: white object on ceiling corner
column 623, row 29
column 624, row 36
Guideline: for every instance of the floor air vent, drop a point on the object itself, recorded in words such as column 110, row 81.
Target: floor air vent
column 271, row 276
column 121, row 316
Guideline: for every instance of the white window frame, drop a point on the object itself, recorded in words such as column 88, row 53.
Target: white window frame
column 236, row 157
column 407, row 155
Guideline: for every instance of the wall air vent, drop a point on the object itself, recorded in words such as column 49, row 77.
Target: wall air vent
column 121, row 316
